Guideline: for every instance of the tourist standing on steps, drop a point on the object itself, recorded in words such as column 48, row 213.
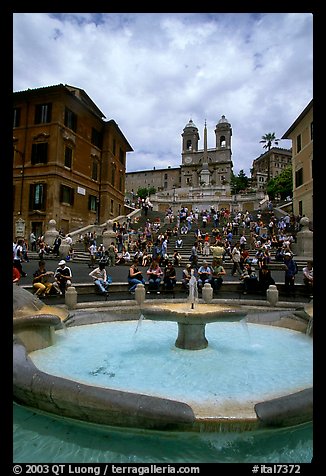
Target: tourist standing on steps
column 134, row 276
column 236, row 258
column 92, row 253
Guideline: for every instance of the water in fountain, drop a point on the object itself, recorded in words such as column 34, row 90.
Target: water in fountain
column 141, row 317
column 193, row 289
column 113, row 355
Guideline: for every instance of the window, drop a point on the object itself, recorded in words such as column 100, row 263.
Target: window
column 39, row 153
column 66, row 195
column 113, row 170
column 43, row 113
column 114, row 146
column 299, row 177
column 298, row 143
column 189, row 144
column 122, row 156
column 222, row 141
column 70, row 119
column 16, row 118
column 111, row 206
column 68, row 157
column 96, row 138
column 37, row 196
column 92, row 203
column 94, row 170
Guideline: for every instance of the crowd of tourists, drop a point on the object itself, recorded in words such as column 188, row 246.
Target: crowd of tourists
column 249, row 241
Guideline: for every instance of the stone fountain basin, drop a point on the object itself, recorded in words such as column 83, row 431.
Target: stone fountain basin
column 40, row 390
column 201, row 314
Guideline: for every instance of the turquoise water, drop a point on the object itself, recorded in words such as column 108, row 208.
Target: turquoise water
column 242, row 362
column 239, row 361
column 41, row 438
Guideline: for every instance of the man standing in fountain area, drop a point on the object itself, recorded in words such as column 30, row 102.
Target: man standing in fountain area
column 63, row 276
column 291, row 270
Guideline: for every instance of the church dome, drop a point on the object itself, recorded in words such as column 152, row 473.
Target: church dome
column 191, row 124
column 223, row 120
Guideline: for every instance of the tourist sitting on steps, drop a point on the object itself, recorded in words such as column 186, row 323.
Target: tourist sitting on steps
column 101, row 279
column 265, row 278
column 134, row 276
column 154, row 276
column 170, row 278
column 186, row 275
column 249, row 278
column 63, row 276
column 204, row 275
column 41, row 280
column 217, row 272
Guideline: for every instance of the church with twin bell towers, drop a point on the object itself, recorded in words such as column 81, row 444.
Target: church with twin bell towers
column 207, row 167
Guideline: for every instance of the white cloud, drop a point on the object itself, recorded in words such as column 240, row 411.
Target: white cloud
column 151, row 72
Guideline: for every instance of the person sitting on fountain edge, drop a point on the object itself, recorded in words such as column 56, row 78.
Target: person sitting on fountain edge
column 154, row 274
column 62, row 277
column 135, row 276
column 249, row 278
column 170, row 278
column 186, row 275
column 101, row 279
column 204, row 274
column 217, row 272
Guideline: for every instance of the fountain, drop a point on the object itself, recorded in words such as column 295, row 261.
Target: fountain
column 87, row 400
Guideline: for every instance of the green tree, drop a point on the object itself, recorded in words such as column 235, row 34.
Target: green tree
column 144, row 192
column 239, row 182
column 268, row 139
column 282, row 185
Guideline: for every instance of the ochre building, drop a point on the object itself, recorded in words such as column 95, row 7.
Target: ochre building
column 69, row 163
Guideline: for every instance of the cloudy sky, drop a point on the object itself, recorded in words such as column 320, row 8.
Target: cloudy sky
column 152, row 72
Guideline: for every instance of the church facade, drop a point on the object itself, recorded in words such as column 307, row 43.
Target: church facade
column 203, row 179
column 206, row 167
column 199, row 167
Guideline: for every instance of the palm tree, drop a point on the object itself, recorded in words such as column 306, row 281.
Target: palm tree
column 268, row 139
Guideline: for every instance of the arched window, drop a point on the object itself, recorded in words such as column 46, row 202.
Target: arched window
column 222, row 141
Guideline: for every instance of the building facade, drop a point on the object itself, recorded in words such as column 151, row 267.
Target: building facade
column 202, row 167
column 269, row 165
column 301, row 134
column 68, row 162
column 199, row 167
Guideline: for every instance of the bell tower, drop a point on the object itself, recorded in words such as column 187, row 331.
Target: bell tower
column 223, row 133
column 190, row 138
